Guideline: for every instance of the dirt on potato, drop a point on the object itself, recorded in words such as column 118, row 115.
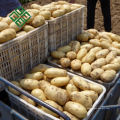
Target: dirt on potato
column 99, row 25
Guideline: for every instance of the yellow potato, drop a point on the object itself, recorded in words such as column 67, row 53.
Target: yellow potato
column 95, row 49
column 98, row 63
column 108, row 75
column 86, row 69
column 43, row 84
column 102, row 53
column 66, row 7
column 95, row 74
column 53, row 104
column 87, row 46
column 58, row 13
column 90, row 93
column 15, row 27
column 29, row 84
column 95, row 42
column 64, row 49
column 38, row 93
column 105, row 44
column 28, row 100
column 28, row 28
column 75, row 45
column 46, row 14
column 58, row 54
column 106, row 40
column 40, row 68
column 114, row 37
column 80, row 83
column 55, row 72
column 71, row 88
column 35, row 6
column 31, row 19
column 76, row 109
column 116, row 44
column 60, row 81
column 82, row 99
column 116, row 60
column 12, row 90
column 93, row 31
column 7, row 34
column 83, row 37
column 3, row 26
column 65, row 62
column 1, row 18
column 76, row 64
column 6, row 20
column 35, row 76
column 72, row 117
column 95, row 87
column 82, row 52
column 56, row 94
column 111, row 56
column 34, row 11
column 115, row 49
column 113, row 66
column 38, row 21
column 71, row 55
column 20, row 33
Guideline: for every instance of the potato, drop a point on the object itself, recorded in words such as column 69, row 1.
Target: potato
column 80, row 83
column 12, row 90
column 116, row 60
column 108, row 75
column 15, row 27
column 43, row 84
column 55, row 72
column 75, row 6
column 82, row 99
column 116, row 44
column 20, row 33
column 89, row 58
column 92, row 94
column 95, row 74
column 95, row 42
column 58, row 13
column 113, row 66
column 82, row 52
column 28, row 28
column 65, row 62
column 105, row 44
column 71, row 55
column 76, row 64
column 72, row 117
column 64, row 49
column 39, row 68
column 7, row 34
column 35, row 6
column 58, row 54
column 28, row 100
column 93, row 31
column 98, row 63
column 46, row 14
column 1, row 18
column 111, row 56
column 67, row 8
column 76, row 109
column 38, row 21
column 75, row 45
column 35, row 76
column 105, row 35
column 57, row 61
column 87, row 46
column 95, row 87
column 95, row 49
column 102, row 53
column 106, row 40
column 46, row 78
column 38, row 93
column 83, row 37
column 34, row 11
column 29, row 84
column 31, row 19
column 71, row 88
column 86, row 69
column 53, row 104
column 3, row 26
column 56, row 94
column 115, row 49
column 114, row 37
column 60, row 81
column 6, row 20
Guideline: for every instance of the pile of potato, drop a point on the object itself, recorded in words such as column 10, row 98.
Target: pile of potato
column 95, row 54
column 70, row 94
column 9, row 30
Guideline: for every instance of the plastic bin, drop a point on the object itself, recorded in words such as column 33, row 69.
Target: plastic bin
column 6, row 113
column 63, row 29
column 22, row 53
